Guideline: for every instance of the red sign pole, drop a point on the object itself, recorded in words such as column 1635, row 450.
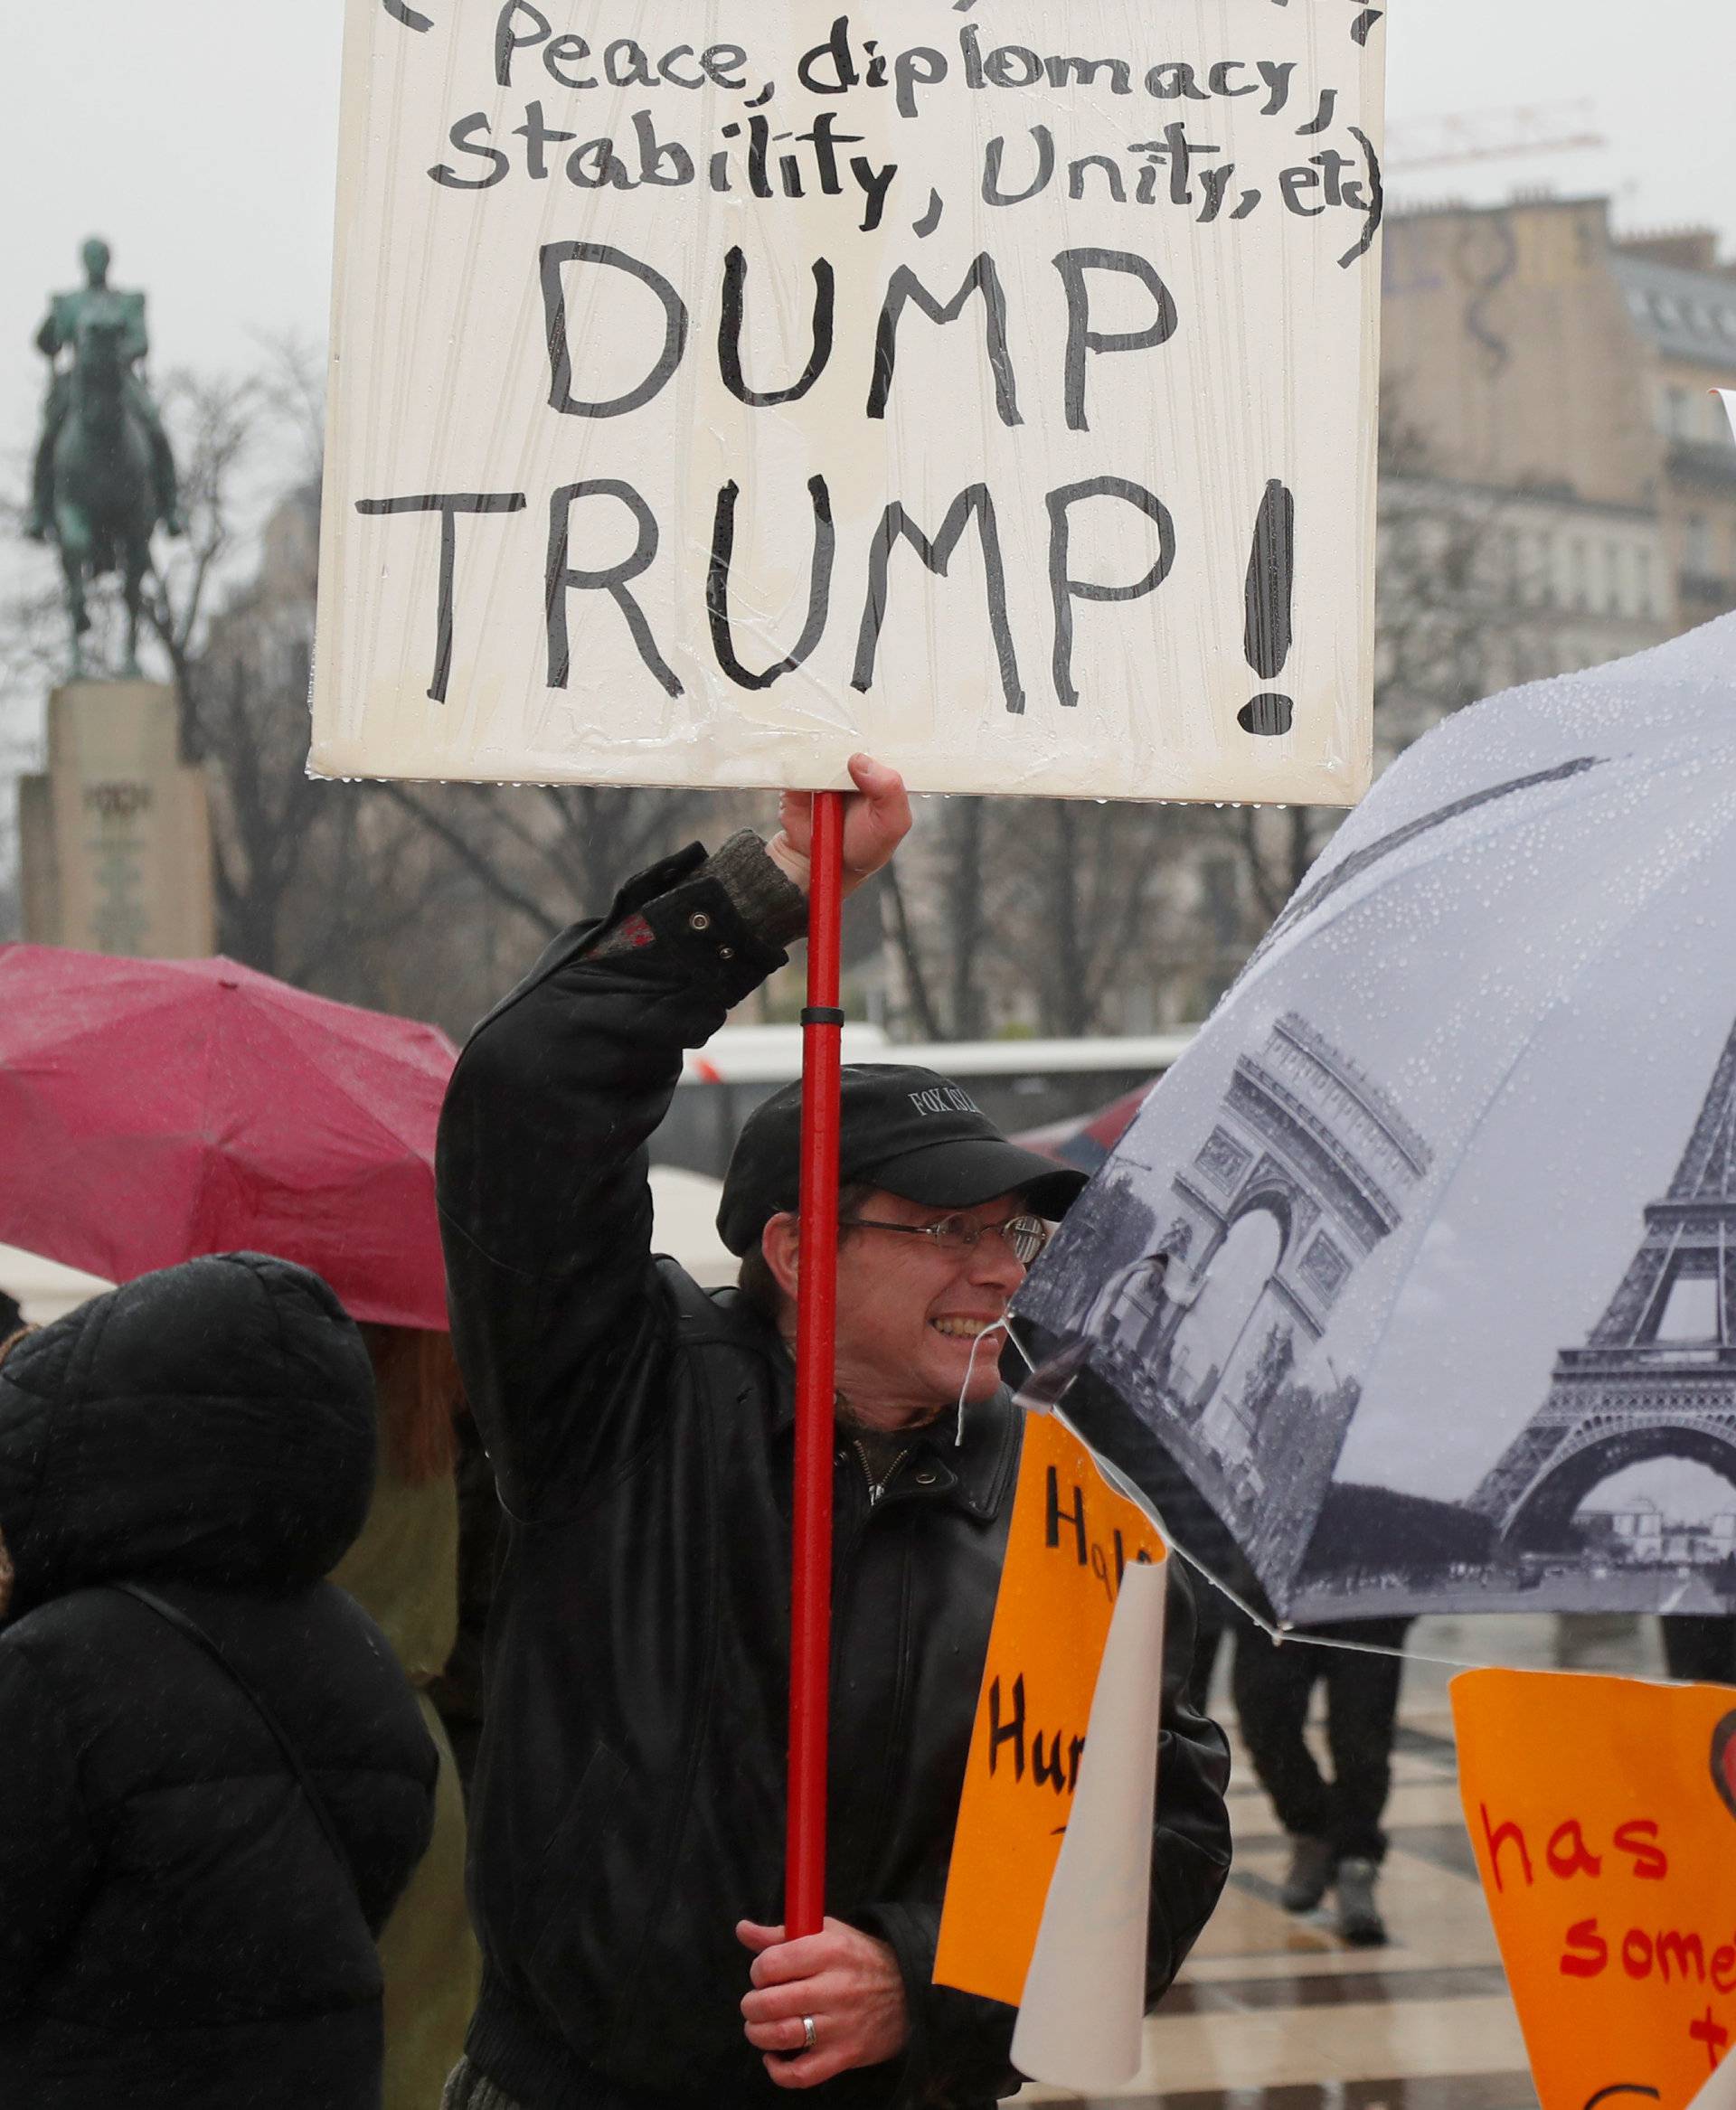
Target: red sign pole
column 810, row 1639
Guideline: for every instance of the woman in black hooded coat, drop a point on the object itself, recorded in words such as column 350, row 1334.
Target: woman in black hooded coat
column 177, row 1929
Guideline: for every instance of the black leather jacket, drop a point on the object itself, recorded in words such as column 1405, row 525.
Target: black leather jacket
column 629, row 1803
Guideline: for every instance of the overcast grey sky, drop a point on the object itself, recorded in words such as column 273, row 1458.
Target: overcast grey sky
column 199, row 137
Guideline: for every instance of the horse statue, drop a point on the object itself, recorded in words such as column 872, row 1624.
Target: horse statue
column 105, row 475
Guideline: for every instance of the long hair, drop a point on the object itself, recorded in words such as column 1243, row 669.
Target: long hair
column 420, row 1393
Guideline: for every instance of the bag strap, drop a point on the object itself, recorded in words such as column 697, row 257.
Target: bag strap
column 174, row 1616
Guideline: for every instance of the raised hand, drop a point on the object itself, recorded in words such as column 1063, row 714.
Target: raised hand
column 876, row 820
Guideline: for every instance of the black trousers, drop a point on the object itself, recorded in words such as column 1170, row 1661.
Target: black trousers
column 1214, row 1618
column 1700, row 1649
column 1273, row 1685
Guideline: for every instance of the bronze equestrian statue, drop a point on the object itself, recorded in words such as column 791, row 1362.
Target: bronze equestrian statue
column 105, row 472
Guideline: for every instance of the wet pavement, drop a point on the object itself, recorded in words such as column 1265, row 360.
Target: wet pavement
column 1277, row 2014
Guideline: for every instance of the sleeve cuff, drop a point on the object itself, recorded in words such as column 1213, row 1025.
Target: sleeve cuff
column 772, row 907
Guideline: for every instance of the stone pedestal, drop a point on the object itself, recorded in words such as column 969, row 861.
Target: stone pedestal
column 116, row 836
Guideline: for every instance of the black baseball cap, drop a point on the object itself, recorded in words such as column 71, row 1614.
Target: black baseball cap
column 909, row 1131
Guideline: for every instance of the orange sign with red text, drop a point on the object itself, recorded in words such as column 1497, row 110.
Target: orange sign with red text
column 1073, row 1537
column 1603, row 1815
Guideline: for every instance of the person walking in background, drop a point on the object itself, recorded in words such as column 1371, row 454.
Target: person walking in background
column 214, row 1783
column 1336, row 1843
column 403, row 1571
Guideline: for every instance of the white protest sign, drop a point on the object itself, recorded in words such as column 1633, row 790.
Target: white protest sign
column 723, row 386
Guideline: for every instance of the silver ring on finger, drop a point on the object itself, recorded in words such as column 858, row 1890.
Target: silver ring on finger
column 810, row 2034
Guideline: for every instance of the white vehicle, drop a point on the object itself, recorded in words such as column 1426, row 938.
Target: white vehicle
column 1022, row 1085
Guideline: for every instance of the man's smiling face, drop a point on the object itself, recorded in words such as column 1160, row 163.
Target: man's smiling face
column 912, row 1314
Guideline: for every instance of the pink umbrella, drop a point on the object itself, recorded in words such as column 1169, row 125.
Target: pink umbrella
column 154, row 1110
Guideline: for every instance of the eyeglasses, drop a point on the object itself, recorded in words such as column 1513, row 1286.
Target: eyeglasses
column 1025, row 1235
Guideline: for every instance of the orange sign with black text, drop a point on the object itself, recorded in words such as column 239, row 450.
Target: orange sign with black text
column 1603, row 1815
column 1073, row 1535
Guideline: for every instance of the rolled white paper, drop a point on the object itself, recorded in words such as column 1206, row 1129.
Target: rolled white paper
column 1081, row 2024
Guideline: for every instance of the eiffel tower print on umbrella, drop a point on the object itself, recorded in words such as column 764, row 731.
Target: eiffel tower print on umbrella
column 1657, row 1377
column 1353, row 1261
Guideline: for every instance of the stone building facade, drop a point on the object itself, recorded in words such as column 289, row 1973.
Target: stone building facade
column 1546, row 363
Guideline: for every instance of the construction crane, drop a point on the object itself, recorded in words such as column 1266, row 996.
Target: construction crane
column 1505, row 134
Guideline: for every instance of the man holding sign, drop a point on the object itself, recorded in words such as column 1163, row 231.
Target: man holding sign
column 630, row 1823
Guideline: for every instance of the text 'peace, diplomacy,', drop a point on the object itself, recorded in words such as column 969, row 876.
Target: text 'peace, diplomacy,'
column 762, row 160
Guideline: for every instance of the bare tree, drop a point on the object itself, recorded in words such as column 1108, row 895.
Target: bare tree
column 1029, row 913
column 938, row 912
column 1085, row 899
column 231, row 610
column 217, row 426
column 33, row 639
column 910, row 953
column 33, row 650
column 549, row 853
